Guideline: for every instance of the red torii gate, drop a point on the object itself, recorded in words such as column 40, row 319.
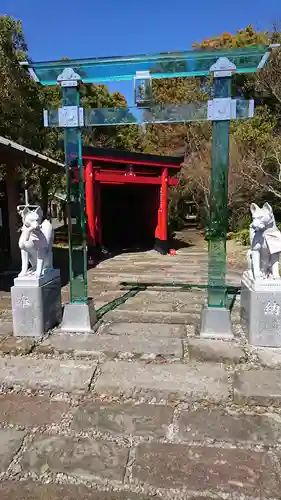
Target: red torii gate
column 122, row 168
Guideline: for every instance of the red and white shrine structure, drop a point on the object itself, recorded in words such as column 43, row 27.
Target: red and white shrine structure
column 127, row 197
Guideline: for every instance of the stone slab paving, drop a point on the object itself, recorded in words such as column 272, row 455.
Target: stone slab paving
column 95, row 345
column 6, row 328
column 205, row 468
column 125, row 419
column 36, row 491
column 214, row 350
column 47, row 374
column 16, row 346
column 226, row 426
column 173, row 381
column 6, row 316
column 195, row 279
column 83, row 458
column 175, row 428
column 175, row 318
column 10, row 442
column 268, row 357
column 148, row 330
column 5, row 302
column 171, row 297
column 258, row 387
column 28, row 411
column 139, row 305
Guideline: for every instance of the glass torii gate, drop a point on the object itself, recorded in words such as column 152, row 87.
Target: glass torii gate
column 143, row 69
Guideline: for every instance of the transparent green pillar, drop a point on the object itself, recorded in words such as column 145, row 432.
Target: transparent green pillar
column 218, row 219
column 75, row 204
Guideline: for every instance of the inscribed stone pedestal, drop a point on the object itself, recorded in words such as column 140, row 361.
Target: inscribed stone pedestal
column 261, row 311
column 36, row 309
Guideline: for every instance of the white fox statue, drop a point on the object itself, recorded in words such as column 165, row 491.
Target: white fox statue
column 265, row 238
column 35, row 242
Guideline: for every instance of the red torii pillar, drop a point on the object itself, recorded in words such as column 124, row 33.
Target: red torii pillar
column 93, row 206
column 90, row 201
column 161, row 233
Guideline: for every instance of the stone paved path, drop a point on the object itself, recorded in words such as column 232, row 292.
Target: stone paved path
column 144, row 408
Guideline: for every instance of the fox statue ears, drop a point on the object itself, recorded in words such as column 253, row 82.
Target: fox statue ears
column 255, row 208
column 24, row 210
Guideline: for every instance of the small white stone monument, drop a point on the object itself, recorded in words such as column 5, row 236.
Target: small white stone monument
column 36, row 294
column 261, row 283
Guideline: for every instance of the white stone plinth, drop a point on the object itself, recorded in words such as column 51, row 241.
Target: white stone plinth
column 261, row 284
column 36, row 304
column 261, row 310
column 31, row 281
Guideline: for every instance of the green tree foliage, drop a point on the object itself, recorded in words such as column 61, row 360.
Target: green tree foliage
column 255, row 143
column 19, row 99
column 21, row 105
column 243, row 38
column 127, row 137
column 180, row 138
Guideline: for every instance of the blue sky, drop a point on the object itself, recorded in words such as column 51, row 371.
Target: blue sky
column 88, row 28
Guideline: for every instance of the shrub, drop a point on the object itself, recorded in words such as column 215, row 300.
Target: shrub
column 242, row 236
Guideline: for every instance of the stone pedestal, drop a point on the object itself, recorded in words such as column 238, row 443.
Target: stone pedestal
column 261, row 310
column 36, row 304
column 78, row 318
column 216, row 323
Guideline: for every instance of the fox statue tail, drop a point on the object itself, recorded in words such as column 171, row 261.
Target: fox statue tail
column 249, row 260
column 47, row 230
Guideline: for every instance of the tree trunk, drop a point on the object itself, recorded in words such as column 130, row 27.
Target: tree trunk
column 44, row 196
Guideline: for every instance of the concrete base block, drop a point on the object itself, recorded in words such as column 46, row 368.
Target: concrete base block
column 216, row 323
column 261, row 311
column 36, row 309
column 78, row 318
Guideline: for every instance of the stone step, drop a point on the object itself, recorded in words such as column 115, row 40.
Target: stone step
column 152, row 256
column 153, row 330
column 200, row 349
column 70, row 376
column 176, row 470
column 172, row 300
column 185, row 382
column 98, row 346
column 258, row 387
column 133, row 305
column 171, row 295
column 185, row 263
column 29, row 490
column 129, row 341
column 5, row 303
column 196, row 278
column 87, row 458
column 120, row 316
column 236, row 472
column 160, row 421
column 159, row 316
column 177, row 264
column 142, row 268
column 134, row 419
column 123, row 419
column 151, row 297
column 227, row 473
